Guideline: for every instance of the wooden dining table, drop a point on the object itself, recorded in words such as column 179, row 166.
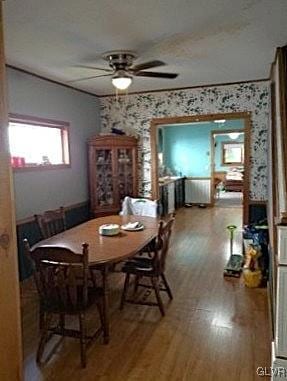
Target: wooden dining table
column 105, row 250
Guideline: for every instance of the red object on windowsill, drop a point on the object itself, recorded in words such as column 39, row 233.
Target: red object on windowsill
column 18, row 162
column 14, row 161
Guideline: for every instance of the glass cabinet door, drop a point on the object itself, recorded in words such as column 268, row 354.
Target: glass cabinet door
column 104, row 178
column 124, row 160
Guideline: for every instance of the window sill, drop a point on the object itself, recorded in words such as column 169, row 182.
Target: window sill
column 41, row 167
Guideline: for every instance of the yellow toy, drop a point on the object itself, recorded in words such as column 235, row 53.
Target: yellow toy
column 252, row 273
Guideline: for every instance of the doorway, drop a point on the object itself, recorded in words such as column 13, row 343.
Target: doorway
column 227, row 167
column 157, row 124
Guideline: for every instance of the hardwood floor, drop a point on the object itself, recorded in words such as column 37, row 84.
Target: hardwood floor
column 215, row 329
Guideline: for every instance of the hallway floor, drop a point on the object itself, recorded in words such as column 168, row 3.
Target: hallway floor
column 227, row 199
column 215, row 329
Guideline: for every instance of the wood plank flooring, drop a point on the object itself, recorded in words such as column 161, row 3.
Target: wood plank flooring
column 215, row 329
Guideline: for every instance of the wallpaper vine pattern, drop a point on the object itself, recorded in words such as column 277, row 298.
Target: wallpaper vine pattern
column 133, row 113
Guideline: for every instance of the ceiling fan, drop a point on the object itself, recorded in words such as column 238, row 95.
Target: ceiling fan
column 122, row 69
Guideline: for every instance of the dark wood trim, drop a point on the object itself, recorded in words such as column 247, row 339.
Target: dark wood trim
column 275, row 216
column 199, row 118
column 198, row 178
column 271, row 71
column 41, row 168
column 185, row 88
column 50, row 80
column 112, row 140
column 39, row 121
column 11, row 348
column 272, row 210
column 25, row 71
column 246, row 116
column 66, row 208
column 271, row 312
column 228, row 131
column 274, row 174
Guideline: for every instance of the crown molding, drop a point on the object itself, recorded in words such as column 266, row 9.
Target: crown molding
column 135, row 92
column 50, row 80
column 186, row 88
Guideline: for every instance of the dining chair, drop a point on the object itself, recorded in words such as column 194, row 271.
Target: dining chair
column 62, row 293
column 51, row 222
column 151, row 268
column 139, row 207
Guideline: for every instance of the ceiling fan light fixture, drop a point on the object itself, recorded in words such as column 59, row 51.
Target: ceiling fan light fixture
column 234, row 135
column 121, row 80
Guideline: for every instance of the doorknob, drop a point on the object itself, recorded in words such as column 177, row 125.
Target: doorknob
column 4, row 241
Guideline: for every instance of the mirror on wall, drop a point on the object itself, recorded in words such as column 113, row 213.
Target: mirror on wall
column 232, row 153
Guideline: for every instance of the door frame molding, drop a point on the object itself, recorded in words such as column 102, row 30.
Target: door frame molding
column 246, row 164
column 11, row 360
column 157, row 122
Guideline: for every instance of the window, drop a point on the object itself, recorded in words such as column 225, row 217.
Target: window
column 232, row 153
column 38, row 143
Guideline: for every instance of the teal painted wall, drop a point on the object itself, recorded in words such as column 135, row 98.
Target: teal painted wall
column 217, row 153
column 186, row 148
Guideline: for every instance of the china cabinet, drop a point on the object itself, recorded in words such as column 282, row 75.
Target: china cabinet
column 112, row 172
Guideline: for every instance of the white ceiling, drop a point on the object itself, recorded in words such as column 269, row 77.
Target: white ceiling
column 205, row 41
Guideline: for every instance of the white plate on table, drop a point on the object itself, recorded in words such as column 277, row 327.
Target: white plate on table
column 129, row 228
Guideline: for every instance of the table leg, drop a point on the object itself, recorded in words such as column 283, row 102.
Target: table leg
column 105, row 273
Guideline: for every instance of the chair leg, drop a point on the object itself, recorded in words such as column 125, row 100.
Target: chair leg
column 101, row 314
column 46, row 318
column 83, row 339
column 154, row 281
column 62, row 321
column 136, row 284
column 126, row 286
column 168, row 290
column 41, row 318
column 93, row 278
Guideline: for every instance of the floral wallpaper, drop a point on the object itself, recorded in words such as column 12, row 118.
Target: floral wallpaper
column 133, row 113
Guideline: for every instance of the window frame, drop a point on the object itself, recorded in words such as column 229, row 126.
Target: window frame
column 44, row 122
column 223, row 162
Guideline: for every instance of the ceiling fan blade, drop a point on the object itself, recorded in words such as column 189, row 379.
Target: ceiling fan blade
column 86, row 78
column 147, row 65
column 154, row 74
column 94, row 68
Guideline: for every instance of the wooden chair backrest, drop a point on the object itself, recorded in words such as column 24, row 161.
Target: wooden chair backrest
column 61, row 276
column 51, row 222
column 162, row 243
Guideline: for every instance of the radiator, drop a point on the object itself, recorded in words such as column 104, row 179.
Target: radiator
column 197, row 191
